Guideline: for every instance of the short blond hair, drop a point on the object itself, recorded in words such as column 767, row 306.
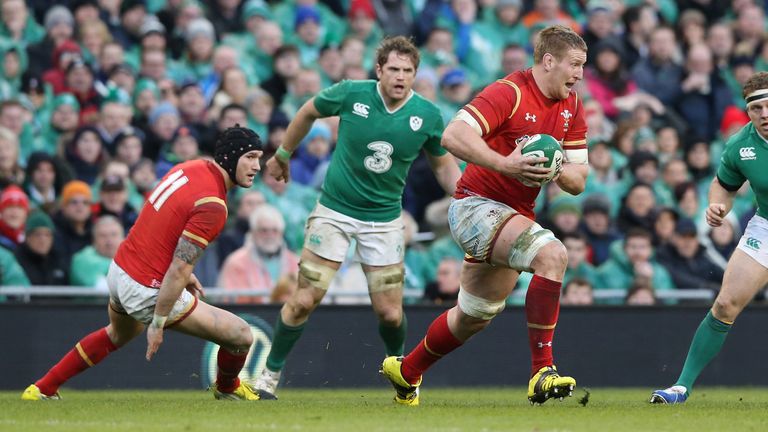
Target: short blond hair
column 557, row 40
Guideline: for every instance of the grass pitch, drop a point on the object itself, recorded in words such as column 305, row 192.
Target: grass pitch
column 371, row 410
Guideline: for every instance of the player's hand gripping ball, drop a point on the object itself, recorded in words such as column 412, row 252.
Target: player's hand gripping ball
column 543, row 145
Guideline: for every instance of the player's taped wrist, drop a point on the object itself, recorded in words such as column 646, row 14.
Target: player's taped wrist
column 282, row 154
column 158, row 321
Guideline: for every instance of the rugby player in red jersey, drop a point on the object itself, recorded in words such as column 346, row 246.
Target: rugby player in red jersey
column 492, row 215
column 150, row 280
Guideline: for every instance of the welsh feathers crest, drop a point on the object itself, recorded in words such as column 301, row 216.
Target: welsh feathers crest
column 416, row 122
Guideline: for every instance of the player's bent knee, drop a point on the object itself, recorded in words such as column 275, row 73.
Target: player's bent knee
column 529, row 245
column 725, row 308
column 552, row 257
column 390, row 278
column 317, row 275
column 478, row 307
column 390, row 316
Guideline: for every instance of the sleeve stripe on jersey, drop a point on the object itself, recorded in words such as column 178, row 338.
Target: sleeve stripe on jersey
column 575, row 144
column 476, row 113
column 210, row 199
column 517, row 90
column 195, row 237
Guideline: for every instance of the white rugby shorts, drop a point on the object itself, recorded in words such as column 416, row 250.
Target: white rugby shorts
column 754, row 242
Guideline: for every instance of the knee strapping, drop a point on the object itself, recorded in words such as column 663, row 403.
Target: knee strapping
column 319, row 276
column 479, row 307
column 386, row 279
column 527, row 246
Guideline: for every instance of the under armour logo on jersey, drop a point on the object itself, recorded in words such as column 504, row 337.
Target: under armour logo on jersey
column 416, row 123
column 530, row 117
column 544, row 344
column 747, row 153
column 360, row 109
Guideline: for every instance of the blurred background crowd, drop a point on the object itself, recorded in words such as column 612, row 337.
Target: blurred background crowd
column 100, row 98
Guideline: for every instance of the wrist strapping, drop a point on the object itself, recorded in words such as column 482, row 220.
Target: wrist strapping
column 283, row 154
column 158, row 321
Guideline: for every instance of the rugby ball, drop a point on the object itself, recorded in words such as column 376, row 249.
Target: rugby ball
column 543, row 145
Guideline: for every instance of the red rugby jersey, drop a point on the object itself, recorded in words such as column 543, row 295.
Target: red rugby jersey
column 189, row 202
column 506, row 110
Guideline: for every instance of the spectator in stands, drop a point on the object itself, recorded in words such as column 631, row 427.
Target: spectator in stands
column 578, row 267
column 577, row 292
column 128, row 145
column 263, row 260
column 664, row 226
column 268, row 39
column 59, row 26
column 163, row 122
column 750, row 28
column 721, row 241
column 184, row 146
column 607, row 78
column 10, row 170
column 45, row 176
column 438, row 52
column 361, row 21
column 549, row 12
column 307, row 85
column 91, row 264
column 686, row 260
column 673, row 173
column 455, row 92
column 146, row 96
column 331, row 65
column 639, row 22
column 233, row 237
column 295, row 201
column 197, row 62
column 641, row 294
column 705, row 95
column 36, row 255
column 14, row 208
column 114, row 116
column 698, row 159
column 260, row 109
column 111, row 55
column 153, row 65
column 113, row 200
column 445, row 289
column 233, row 88
column 73, row 220
column 513, row 58
column 11, row 273
column 79, row 81
column 143, row 176
column 226, row 16
column 668, row 142
column 61, row 57
column 309, row 163
column 18, row 24
column 132, row 14
column 633, row 263
column 286, row 67
column 637, row 208
column 65, row 117
column 659, row 74
column 692, row 28
column 598, row 227
column 16, row 118
column 229, row 116
column 86, row 154
column 564, row 214
column 600, row 24
column 721, row 41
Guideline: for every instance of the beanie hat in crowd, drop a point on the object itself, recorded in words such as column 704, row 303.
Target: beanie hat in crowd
column 73, row 188
column 254, row 8
column 200, row 27
column 58, row 15
column 162, row 109
column 361, row 7
column 304, row 14
column 66, row 99
column 38, row 219
column 14, row 196
column 233, row 143
column 733, row 116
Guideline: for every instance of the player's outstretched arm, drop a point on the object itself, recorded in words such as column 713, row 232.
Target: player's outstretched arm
column 278, row 166
column 573, row 178
column 176, row 279
column 720, row 203
column 446, row 171
column 465, row 143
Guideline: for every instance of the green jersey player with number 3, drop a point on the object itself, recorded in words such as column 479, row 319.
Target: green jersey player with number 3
column 384, row 126
column 743, row 160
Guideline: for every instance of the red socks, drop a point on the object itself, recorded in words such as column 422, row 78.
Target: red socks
column 89, row 351
column 542, row 306
column 230, row 365
column 438, row 342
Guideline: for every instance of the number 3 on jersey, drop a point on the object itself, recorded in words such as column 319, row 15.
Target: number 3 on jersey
column 380, row 161
column 167, row 187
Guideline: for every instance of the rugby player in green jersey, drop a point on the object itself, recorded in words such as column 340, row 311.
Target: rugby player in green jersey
column 747, row 272
column 384, row 125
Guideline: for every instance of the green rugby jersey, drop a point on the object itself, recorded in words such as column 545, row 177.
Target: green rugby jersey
column 375, row 148
column 746, row 158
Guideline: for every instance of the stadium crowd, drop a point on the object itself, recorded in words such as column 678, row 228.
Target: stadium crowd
column 99, row 99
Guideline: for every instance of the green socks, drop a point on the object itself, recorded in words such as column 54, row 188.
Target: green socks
column 282, row 343
column 706, row 344
column 394, row 337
